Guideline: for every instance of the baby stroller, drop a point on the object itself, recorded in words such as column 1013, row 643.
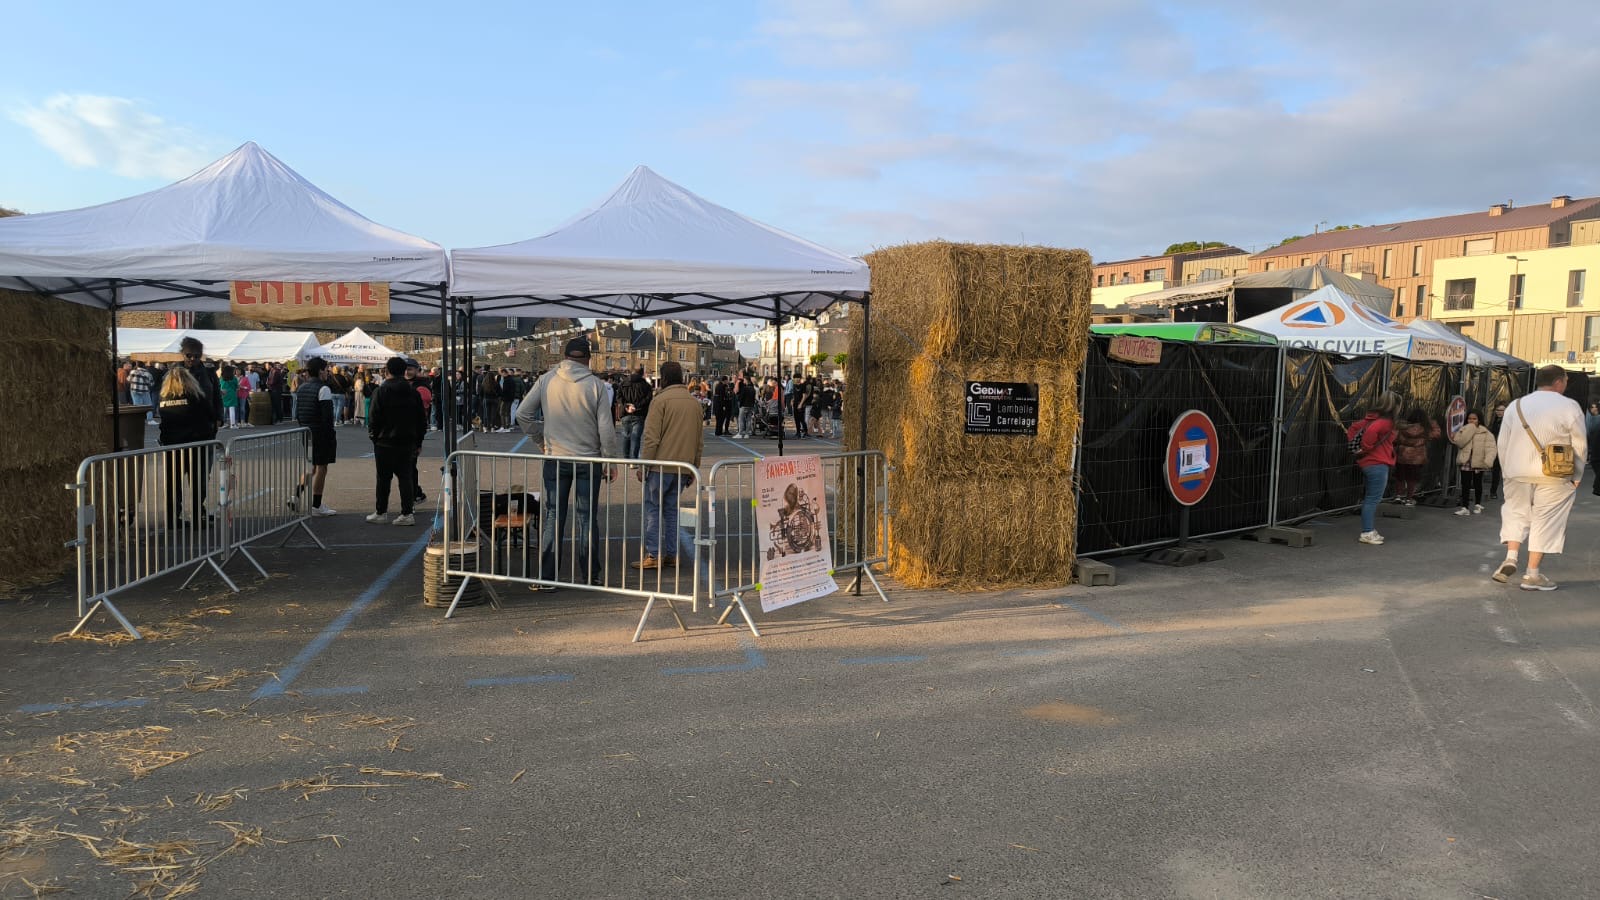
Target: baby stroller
column 768, row 420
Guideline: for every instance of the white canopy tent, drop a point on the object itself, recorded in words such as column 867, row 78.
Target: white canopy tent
column 245, row 217
column 1477, row 354
column 652, row 249
column 1329, row 319
column 161, row 344
column 354, row 348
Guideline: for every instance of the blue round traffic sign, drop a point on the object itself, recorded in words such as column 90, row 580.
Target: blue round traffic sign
column 1191, row 460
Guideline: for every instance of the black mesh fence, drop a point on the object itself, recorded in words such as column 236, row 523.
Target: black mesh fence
column 1321, row 394
column 1128, row 411
column 1426, row 388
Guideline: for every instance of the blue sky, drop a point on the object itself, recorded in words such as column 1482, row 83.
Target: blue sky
column 1114, row 126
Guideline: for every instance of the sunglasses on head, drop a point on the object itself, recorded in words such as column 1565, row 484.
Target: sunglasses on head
column 191, row 356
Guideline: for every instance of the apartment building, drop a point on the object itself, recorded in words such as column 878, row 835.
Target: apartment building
column 1165, row 271
column 1402, row 256
column 1537, row 305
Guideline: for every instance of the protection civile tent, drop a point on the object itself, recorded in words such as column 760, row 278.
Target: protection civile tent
column 245, row 217
column 1330, row 320
column 653, row 249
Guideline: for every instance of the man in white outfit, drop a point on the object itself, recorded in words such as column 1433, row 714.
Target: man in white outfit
column 1536, row 505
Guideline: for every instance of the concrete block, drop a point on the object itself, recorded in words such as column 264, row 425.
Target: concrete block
column 1093, row 573
column 1282, row 534
column 1396, row 511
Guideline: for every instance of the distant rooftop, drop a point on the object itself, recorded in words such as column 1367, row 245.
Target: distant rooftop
column 1542, row 215
column 1192, row 254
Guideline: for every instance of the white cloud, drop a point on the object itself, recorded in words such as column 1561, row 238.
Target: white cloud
column 113, row 133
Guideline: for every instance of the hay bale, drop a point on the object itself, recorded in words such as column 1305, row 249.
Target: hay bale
column 974, row 510
column 55, row 363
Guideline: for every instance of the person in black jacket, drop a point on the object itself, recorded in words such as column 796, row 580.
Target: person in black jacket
column 206, row 379
column 186, row 418
column 634, row 398
column 722, row 403
column 397, row 425
column 314, row 410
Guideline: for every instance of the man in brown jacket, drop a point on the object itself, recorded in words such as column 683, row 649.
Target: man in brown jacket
column 674, row 431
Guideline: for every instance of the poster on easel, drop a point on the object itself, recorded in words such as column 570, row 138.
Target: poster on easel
column 792, row 531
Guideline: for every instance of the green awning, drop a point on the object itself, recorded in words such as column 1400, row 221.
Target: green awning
column 1192, row 332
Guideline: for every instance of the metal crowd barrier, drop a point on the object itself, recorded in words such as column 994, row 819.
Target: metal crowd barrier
column 263, row 474
column 500, row 529
column 133, row 524
column 857, row 503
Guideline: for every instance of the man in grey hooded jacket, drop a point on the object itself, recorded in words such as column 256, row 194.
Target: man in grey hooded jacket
column 569, row 413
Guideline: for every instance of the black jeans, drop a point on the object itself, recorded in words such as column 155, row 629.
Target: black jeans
column 395, row 462
column 1471, row 487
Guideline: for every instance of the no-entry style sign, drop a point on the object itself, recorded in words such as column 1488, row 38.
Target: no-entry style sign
column 1192, row 449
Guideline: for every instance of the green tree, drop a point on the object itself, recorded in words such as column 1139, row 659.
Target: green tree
column 1192, row 246
column 7, row 211
column 840, row 359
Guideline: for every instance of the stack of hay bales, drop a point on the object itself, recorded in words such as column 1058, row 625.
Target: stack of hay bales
column 55, row 365
column 974, row 511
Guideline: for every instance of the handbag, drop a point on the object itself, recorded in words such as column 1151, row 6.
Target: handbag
column 1353, row 443
column 1558, row 459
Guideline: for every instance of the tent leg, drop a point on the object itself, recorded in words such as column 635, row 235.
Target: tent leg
column 116, row 395
column 777, row 351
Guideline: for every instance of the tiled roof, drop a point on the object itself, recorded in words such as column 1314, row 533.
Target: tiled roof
column 1539, row 216
column 1191, row 254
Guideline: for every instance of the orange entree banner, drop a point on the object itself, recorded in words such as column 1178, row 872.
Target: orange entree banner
column 321, row 301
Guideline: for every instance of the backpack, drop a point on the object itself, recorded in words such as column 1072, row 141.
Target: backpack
column 1353, row 444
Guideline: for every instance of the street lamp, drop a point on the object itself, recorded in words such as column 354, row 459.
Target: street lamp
column 1513, row 302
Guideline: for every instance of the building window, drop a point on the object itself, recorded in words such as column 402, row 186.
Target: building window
column 1388, row 262
column 1575, row 280
column 1502, row 340
column 1268, row 267
column 511, row 323
column 1477, row 246
column 1400, row 304
column 1155, row 275
column 416, row 344
column 1099, row 281
column 1514, row 291
column 683, row 355
column 1558, row 334
column 1305, row 260
column 1459, row 293
column 1591, row 333
column 1422, row 298
column 1344, row 262
column 1416, row 260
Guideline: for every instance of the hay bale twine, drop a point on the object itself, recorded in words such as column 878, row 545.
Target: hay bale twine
column 974, row 511
column 438, row 591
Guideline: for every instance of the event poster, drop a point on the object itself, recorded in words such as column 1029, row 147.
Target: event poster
column 792, row 531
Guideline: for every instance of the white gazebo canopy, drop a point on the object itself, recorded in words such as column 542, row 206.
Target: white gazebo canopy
column 354, row 348
column 245, row 217
column 161, row 344
column 1328, row 319
column 652, row 249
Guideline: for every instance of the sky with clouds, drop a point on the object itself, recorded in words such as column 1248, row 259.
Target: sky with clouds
column 1118, row 127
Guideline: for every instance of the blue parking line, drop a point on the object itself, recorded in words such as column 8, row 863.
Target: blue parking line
column 1086, row 611
column 286, row 677
column 753, row 659
column 334, row 691
column 741, row 447
column 130, row 703
column 519, row 679
column 880, row 660
column 518, row 445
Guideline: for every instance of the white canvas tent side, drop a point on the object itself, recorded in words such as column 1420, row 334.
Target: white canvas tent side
column 1477, row 354
column 161, row 344
column 354, row 348
column 1330, row 320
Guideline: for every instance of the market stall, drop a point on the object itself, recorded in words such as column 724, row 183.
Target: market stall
column 162, row 344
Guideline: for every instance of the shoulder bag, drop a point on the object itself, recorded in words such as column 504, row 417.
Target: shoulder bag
column 1558, row 459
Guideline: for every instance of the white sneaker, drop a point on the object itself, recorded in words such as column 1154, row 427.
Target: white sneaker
column 323, row 511
column 1505, row 571
column 1477, row 509
column 1463, row 511
column 1539, row 582
column 377, row 518
column 1370, row 537
column 404, row 519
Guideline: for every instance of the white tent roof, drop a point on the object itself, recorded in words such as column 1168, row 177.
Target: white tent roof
column 239, row 346
column 1329, row 319
column 1477, row 354
column 354, row 348
column 653, row 249
column 245, row 217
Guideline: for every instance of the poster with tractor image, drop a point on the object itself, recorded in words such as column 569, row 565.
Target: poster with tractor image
column 792, row 530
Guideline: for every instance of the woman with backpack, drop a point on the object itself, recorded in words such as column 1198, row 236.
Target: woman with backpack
column 1372, row 439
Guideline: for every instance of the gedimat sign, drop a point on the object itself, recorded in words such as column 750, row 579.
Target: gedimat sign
column 321, row 301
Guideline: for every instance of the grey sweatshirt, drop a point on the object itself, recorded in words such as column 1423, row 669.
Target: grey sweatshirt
column 577, row 413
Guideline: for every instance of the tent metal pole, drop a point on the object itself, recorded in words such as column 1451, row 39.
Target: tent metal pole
column 116, row 397
column 777, row 351
column 444, row 372
column 1276, row 468
column 861, row 461
column 469, row 383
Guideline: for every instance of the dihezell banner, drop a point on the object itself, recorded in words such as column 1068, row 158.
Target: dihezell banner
column 322, row 301
column 792, row 531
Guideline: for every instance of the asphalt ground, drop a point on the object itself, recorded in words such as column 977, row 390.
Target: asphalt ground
column 1339, row 720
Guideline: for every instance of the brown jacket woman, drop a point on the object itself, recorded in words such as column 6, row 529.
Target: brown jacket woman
column 1477, row 447
column 1411, row 444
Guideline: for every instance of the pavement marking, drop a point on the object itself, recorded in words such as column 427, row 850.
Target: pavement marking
column 1490, row 608
column 130, row 703
column 518, row 445
column 1572, row 716
column 333, row 691
column 880, row 660
column 1084, row 610
column 520, row 679
column 1027, row 652
column 1505, row 635
column 286, row 676
column 753, row 659
column 742, row 448
column 1529, row 670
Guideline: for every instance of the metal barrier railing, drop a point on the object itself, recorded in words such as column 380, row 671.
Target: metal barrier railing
column 499, row 527
column 264, row 474
column 857, row 504
column 133, row 525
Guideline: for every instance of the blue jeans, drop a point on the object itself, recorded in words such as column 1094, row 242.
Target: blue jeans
column 632, row 436
column 745, row 414
column 1375, row 478
column 560, row 478
column 661, row 511
column 143, row 398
